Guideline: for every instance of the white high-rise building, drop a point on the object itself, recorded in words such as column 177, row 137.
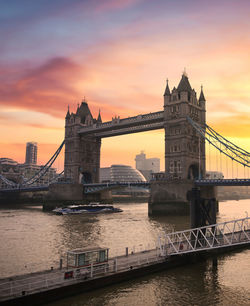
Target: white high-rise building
column 147, row 166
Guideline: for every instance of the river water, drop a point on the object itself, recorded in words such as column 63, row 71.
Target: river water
column 33, row 240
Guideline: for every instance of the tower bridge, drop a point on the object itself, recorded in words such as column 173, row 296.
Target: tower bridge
column 184, row 148
column 183, row 120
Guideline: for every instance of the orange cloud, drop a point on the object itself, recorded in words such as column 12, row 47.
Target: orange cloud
column 233, row 126
column 126, row 76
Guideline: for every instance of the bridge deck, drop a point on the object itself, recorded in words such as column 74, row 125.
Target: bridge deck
column 95, row 187
column 92, row 188
column 223, row 182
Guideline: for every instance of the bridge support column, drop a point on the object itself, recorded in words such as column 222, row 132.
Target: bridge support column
column 104, row 196
column 169, row 197
column 202, row 210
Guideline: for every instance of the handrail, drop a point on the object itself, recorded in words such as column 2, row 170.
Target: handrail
column 220, row 235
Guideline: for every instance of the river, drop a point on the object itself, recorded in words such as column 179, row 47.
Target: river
column 33, row 240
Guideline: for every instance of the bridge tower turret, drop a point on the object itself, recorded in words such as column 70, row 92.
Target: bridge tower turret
column 184, row 148
column 82, row 153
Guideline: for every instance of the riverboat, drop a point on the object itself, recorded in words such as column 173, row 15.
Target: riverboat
column 92, row 208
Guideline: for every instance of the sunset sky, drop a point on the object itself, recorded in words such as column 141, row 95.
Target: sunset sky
column 118, row 54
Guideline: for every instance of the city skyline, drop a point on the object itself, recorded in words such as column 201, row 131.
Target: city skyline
column 118, row 54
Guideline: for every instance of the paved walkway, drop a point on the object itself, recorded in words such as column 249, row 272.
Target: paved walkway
column 42, row 281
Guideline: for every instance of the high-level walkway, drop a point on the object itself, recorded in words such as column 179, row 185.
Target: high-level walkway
column 136, row 124
column 230, row 234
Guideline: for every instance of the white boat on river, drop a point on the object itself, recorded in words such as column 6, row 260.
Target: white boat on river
column 92, row 208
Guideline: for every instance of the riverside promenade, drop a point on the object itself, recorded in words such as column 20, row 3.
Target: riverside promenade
column 173, row 249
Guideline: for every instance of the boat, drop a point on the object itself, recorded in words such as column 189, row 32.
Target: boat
column 92, row 208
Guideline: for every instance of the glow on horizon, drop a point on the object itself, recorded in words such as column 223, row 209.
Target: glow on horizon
column 119, row 55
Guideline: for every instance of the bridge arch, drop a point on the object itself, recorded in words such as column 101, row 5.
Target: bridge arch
column 86, row 178
column 193, row 171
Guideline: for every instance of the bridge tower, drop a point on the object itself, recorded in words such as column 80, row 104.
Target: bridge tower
column 184, row 148
column 82, row 153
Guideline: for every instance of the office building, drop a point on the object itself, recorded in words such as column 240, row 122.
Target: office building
column 31, row 153
column 120, row 173
column 147, row 166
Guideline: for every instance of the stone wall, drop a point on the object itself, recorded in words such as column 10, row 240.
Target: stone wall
column 169, row 197
column 73, row 192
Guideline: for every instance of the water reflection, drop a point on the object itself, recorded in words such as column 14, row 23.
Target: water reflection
column 35, row 240
column 196, row 284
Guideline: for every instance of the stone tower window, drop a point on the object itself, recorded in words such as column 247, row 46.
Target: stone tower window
column 171, row 168
column 179, row 166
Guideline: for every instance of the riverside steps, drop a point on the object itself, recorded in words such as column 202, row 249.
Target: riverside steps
column 173, row 249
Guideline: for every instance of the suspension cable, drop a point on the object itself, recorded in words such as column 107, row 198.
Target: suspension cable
column 231, row 150
column 45, row 168
column 227, row 166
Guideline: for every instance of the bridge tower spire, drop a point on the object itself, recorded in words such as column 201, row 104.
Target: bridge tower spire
column 99, row 119
column 82, row 153
column 184, row 149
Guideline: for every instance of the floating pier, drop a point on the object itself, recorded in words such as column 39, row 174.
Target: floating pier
column 173, row 249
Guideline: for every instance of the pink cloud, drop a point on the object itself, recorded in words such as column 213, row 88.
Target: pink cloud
column 47, row 88
column 111, row 5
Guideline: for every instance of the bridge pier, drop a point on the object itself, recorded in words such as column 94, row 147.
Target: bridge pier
column 202, row 209
column 169, row 197
column 64, row 194
column 180, row 197
column 103, row 196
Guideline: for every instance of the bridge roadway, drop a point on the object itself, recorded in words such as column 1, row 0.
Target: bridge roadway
column 91, row 188
column 50, row 285
column 223, row 182
column 95, row 187
column 25, row 189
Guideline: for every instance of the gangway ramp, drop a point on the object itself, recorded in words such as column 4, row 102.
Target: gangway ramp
column 216, row 236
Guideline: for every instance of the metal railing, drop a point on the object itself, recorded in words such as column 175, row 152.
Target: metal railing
column 53, row 279
column 91, row 188
column 214, row 236
column 222, row 182
column 229, row 233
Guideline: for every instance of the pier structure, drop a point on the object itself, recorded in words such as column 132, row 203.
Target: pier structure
column 173, row 249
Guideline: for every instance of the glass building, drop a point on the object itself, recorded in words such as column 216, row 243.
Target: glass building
column 121, row 173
